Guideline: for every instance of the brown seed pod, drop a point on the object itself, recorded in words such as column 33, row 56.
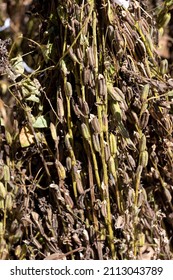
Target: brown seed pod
column 96, row 142
column 144, row 120
column 140, row 49
column 68, row 89
column 95, row 124
column 60, row 109
column 86, row 75
column 68, row 163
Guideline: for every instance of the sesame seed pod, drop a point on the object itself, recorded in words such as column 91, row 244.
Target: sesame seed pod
column 95, row 125
column 113, row 144
column 2, row 206
column 61, row 170
column 96, row 142
column 8, row 202
column 111, row 166
column 142, row 143
column 53, row 131
column 143, row 158
column 67, row 142
column 68, row 163
column 6, row 173
column 68, row 89
column 60, row 108
column 145, row 92
column 85, row 132
column 3, row 191
column 144, row 119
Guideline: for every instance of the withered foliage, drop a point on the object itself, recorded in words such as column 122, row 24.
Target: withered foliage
column 86, row 161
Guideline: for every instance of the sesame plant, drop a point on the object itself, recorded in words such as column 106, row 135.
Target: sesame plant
column 86, row 133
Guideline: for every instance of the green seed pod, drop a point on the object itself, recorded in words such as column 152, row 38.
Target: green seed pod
column 6, row 173
column 61, row 170
column 1, row 229
column 143, row 158
column 8, row 202
column 113, row 144
column 85, row 132
column 3, row 191
column 68, row 89
column 142, row 143
column 96, row 142
column 145, row 92
column 164, row 66
column 2, row 206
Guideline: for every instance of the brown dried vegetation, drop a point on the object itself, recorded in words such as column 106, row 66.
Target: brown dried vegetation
column 86, row 143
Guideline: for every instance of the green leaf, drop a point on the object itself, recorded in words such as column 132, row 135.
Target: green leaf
column 41, row 122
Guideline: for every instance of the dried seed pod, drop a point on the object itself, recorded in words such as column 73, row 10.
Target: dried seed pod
column 102, row 86
column 129, row 95
column 60, row 109
column 86, row 75
column 90, row 56
column 85, row 108
column 53, row 132
column 140, row 49
column 104, row 208
column 85, row 132
column 95, row 124
column 61, row 170
column 76, row 239
column 107, row 152
column 167, row 194
column 96, row 142
column 143, row 158
column 110, row 32
column 164, row 66
column 67, row 142
column 113, row 144
column 3, row 191
column 68, row 89
column 131, row 161
column 68, row 199
column 79, row 54
column 63, row 68
column 85, row 235
column 144, row 120
column 72, row 55
column 115, row 93
column 111, row 165
column 68, row 163
column 79, row 185
column 8, row 202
